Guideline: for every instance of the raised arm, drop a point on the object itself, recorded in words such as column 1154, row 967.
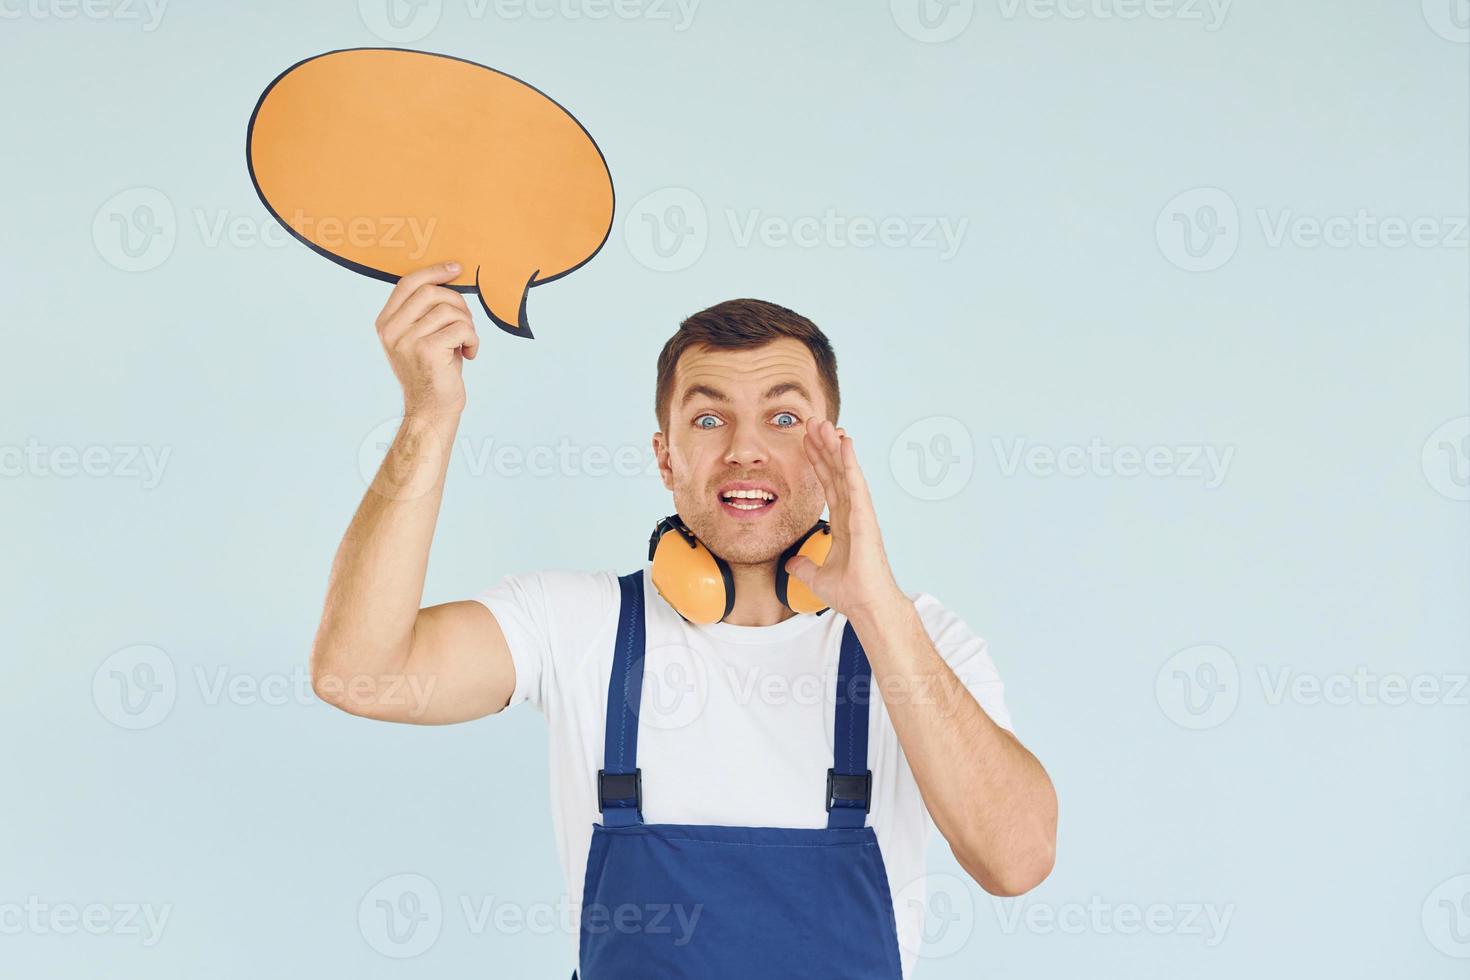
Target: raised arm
column 376, row 653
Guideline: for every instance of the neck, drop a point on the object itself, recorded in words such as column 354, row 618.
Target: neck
column 755, row 596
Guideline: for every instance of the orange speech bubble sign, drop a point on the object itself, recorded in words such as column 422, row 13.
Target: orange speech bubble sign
column 386, row 160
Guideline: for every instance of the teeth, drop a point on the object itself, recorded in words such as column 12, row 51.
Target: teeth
column 749, row 495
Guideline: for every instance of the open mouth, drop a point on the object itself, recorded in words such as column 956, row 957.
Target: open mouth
column 747, row 501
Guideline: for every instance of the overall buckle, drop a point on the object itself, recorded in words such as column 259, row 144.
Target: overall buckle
column 616, row 786
column 849, row 788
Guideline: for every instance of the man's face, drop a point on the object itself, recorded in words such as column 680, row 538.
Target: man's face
column 736, row 421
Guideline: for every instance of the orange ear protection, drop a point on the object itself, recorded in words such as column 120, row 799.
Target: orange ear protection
column 699, row 585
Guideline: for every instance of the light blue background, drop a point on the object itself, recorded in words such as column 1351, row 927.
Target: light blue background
column 1333, row 835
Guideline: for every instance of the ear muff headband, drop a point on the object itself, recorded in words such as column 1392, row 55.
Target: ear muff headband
column 699, row 585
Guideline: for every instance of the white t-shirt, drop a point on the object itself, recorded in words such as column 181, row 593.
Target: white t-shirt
column 735, row 722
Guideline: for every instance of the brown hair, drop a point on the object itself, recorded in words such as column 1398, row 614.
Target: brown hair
column 737, row 324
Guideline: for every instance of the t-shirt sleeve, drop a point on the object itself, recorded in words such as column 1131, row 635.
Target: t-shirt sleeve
column 548, row 618
column 967, row 655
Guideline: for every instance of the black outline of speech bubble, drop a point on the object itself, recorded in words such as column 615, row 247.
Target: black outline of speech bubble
column 516, row 330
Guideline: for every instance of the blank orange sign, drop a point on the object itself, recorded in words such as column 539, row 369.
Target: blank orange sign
column 386, row 160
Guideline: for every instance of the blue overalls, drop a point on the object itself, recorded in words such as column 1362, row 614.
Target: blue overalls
column 705, row 902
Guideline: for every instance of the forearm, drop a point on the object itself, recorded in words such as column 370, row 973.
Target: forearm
column 377, row 578
column 988, row 795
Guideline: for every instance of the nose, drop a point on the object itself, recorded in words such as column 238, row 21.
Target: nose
column 747, row 445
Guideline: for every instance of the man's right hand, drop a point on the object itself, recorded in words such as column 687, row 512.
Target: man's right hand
column 427, row 332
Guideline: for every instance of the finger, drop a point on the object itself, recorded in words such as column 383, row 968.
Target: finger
column 456, row 334
column 423, row 299
column 443, row 272
column 833, row 447
column 432, row 322
column 857, row 483
column 802, row 568
column 811, row 443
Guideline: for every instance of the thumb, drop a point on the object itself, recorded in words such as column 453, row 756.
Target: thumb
column 802, row 568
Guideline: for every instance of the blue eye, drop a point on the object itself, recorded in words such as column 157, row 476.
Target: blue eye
column 699, row 421
column 786, row 415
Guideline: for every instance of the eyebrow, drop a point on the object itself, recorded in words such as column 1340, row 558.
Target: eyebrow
column 715, row 394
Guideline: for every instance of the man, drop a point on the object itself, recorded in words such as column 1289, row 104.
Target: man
column 769, row 811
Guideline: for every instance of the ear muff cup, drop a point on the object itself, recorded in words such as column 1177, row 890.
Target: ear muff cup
column 691, row 578
column 699, row 585
column 815, row 544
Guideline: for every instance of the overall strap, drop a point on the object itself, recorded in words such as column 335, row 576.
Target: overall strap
column 850, row 781
column 619, row 781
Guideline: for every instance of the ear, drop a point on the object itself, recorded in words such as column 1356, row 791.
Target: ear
column 665, row 465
